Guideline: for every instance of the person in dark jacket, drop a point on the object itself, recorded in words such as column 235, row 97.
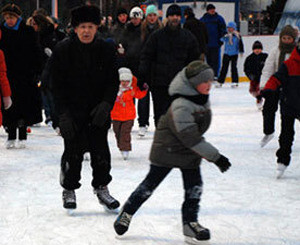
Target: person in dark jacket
column 149, row 25
column 119, row 26
column 253, row 66
column 179, row 143
column 216, row 27
column 198, row 28
column 85, row 85
column 23, row 59
column 288, row 77
column 165, row 53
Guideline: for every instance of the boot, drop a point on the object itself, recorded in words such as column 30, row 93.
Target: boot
column 122, row 222
column 105, row 198
column 195, row 233
column 69, row 199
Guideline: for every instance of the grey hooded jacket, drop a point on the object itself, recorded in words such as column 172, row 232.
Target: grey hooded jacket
column 178, row 139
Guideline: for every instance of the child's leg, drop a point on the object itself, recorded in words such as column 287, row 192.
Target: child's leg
column 12, row 132
column 234, row 70
column 192, row 181
column 125, row 136
column 155, row 176
column 22, row 133
column 286, row 140
column 224, row 69
column 117, row 131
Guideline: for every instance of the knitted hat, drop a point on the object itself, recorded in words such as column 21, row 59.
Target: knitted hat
column 125, row 74
column 136, row 12
column 173, row 9
column 189, row 12
column 11, row 9
column 210, row 6
column 231, row 24
column 121, row 11
column 257, row 45
column 199, row 72
column 288, row 30
column 151, row 9
column 85, row 14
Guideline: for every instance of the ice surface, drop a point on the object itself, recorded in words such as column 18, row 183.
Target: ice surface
column 245, row 206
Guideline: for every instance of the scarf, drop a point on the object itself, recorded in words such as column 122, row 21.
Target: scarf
column 284, row 49
column 200, row 99
column 230, row 36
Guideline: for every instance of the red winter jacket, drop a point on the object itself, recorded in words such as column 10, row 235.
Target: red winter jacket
column 288, row 76
column 4, row 84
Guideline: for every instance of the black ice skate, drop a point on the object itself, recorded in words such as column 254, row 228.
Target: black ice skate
column 122, row 222
column 105, row 198
column 195, row 233
column 69, row 199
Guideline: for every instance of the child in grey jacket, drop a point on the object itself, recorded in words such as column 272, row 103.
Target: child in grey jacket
column 179, row 143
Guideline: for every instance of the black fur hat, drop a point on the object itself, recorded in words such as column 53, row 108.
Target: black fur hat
column 85, row 14
column 12, row 9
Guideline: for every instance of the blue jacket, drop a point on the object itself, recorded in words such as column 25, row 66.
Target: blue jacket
column 216, row 27
column 235, row 48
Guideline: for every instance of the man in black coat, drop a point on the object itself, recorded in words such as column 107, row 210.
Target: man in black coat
column 85, row 85
column 198, row 28
column 165, row 53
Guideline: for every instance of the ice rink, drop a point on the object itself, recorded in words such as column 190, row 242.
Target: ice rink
column 245, row 206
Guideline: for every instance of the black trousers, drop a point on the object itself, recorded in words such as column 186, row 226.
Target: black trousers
column 93, row 140
column 20, row 126
column 144, row 110
column 225, row 64
column 269, row 111
column 161, row 102
column 192, row 183
column 286, row 139
column 213, row 59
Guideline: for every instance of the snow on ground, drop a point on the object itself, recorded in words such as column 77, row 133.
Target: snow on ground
column 244, row 206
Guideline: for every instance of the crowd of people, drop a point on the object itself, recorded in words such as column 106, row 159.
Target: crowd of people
column 91, row 75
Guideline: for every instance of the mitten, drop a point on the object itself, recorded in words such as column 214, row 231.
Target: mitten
column 7, row 102
column 223, row 164
column 67, row 126
column 101, row 113
column 142, row 85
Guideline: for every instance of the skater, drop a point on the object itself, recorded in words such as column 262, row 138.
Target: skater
column 288, row 77
column 233, row 47
column 253, row 66
column 277, row 56
column 179, row 143
column 85, row 85
column 123, row 112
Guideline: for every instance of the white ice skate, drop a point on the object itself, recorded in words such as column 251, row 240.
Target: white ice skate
column 21, row 144
column 234, row 85
column 142, row 131
column 280, row 170
column 266, row 139
column 125, row 155
column 10, row 144
column 218, row 85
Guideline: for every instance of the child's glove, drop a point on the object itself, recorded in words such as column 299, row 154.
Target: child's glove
column 101, row 113
column 223, row 164
column 67, row 126
column 7, row 102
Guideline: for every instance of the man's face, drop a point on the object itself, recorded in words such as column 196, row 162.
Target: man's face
column 11, row 20
column 211, row 11
column 136, row 21
column 122, row 18
column 152, row 18
column 174, row 20
column 86, row 32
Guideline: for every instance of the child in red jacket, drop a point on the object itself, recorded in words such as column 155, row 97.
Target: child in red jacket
column 5, row 91
column 288, row 77
column 123, row 112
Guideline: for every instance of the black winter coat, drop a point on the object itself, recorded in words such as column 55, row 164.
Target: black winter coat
column 198, row 28
column 83, row 75
column 165, row 53
column 23, row 59
column 253, row 66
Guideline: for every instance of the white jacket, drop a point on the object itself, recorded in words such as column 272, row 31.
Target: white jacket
column 271, row 66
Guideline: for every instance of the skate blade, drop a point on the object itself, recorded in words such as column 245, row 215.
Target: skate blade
column 192, row 240
column 70, row 212
column 111, row 211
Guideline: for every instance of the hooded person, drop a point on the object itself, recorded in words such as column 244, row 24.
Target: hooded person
column 179, row 143
column 85, row 85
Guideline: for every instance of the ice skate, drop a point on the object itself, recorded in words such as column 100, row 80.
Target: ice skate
column 10, row 144
column 266, row 139
column 142, row 131
column 69, row 199
column 21, row 144
column 125, row 155
column 122, row 223
column 105, row 198
column 259, row 104
column 280, row 170
column 195, row 233
column 218, row 85
column 234, row 85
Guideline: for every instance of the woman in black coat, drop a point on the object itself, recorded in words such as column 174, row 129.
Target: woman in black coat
column 23, row 59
